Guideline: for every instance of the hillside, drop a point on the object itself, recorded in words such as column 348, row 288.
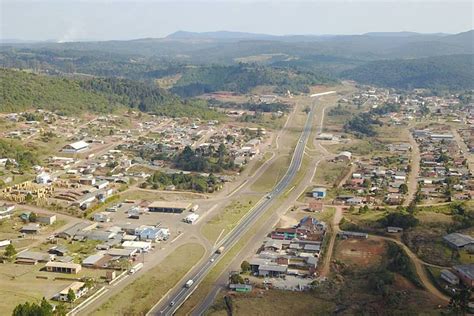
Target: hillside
column 242, row 78
column 21, row 91
column 451, row 72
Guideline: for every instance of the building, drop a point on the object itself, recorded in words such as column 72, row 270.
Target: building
column 78, row 288
column 348, row 234
column 459, row 241
column 393, row 229
column 465, row 272
column 43, row 178
column 76, row 147
column 48, row 219
column 449, row 277
column 344, row 156
column 245, row 288
column 6, row 211
column 62, row 267
column 141, row 246
column 169, row 207
column 101, row 217
column 33, row 257
column 32, row 228
column 272, row 270
column 319, row 193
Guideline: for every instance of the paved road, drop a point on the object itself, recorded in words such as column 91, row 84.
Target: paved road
column 179, row 296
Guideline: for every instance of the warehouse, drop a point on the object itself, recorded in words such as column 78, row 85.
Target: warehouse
column 76, row 147
column 169, row 207
column 62, row 267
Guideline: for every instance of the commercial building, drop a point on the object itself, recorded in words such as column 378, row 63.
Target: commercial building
column 62, row 267
column 76, row 147
column 169, row 207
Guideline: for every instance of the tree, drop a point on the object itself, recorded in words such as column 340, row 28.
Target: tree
column 460, row 300
column 245, row 266
column 10, row 252
column 60, row 310
column 236, row 279
column 33, row 217
column 403, row 189
column 71, row 296
column 34, row 309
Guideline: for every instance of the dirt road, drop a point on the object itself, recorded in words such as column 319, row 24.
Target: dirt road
column 419, row 266
column 412, row 182
column 330, row 249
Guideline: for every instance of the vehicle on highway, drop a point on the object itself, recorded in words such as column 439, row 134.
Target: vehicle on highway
column 212, row 259
column 220, row 249
column 189, row 283
column 172, row 303
column 135, row 268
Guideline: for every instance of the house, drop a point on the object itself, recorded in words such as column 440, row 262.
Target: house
column 44, row 218
column 62, row 267
column 78, row 288
column 355, row 201
column 6, row 211
column 98, row 261
column 76, row 147
column 318, row 193
column 169, row 207
column 58, row 250
column 33, row 257
column 101, row 217
column 459, row 241
column 449, row 277
column 465, row 272
column 393, row 229
column 32, row 228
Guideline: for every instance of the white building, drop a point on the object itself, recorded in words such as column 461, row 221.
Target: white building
column 76, row 147
column 43, row 178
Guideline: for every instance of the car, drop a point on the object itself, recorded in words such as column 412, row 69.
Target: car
column 212, row 259
column 172, row 303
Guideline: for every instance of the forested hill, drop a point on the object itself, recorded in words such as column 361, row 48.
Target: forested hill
column 242, row 78
column 444, row 72
column 21, row 91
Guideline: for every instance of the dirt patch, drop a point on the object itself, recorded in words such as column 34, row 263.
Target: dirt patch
column 361, row 253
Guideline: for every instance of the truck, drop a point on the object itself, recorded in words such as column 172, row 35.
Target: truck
column 220, row 250
column 135, row 268
column 189, row 283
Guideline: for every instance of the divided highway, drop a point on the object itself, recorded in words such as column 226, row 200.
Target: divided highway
column 169, row 305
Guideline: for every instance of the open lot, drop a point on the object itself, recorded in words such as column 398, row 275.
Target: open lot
column 360, row 252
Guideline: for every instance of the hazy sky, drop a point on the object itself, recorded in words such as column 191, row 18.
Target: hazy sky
column 118, row 19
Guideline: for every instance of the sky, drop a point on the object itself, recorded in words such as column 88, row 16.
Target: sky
column 72, row 20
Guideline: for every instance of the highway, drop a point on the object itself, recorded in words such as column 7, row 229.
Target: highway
column 170, row 304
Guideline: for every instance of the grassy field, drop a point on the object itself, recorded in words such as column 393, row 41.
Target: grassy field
column 263, row 303
column 329, row 173
column 139, row 296
column 271, row 176
column 225, row 221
